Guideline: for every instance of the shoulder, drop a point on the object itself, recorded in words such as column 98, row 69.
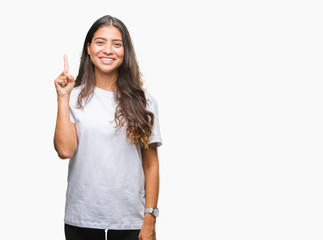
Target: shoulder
column 74, row 95
column 76, row 90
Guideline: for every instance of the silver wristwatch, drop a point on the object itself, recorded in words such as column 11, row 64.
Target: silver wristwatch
column 153, row 211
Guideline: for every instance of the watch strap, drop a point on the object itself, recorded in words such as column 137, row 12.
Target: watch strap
column 149, row 210
column 153, row 211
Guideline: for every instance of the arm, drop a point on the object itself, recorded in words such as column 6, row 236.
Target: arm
column 65, row 138
column 151, row 169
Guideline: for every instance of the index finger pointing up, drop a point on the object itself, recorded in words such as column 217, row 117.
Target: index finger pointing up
column 66, row 69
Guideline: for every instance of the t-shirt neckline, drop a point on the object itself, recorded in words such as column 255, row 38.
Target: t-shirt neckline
column 103, row 91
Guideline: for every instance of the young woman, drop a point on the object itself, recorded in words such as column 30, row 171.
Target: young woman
column 108, row 126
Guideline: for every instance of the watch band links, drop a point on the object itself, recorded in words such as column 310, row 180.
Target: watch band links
column 153, row 211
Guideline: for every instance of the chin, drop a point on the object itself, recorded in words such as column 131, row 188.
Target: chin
column 108, row 71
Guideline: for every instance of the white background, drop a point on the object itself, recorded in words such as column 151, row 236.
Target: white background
column 239, row 87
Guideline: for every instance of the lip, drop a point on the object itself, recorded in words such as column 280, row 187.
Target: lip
column 107, row 62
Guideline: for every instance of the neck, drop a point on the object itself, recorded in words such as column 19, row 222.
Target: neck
column 106, row 81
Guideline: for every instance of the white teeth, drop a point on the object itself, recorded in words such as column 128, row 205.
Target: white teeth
column 107, row 59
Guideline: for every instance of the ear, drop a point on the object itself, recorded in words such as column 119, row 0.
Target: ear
column 88, row 48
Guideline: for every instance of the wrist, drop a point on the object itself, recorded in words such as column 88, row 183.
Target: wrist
column 63, row 98
column 153, row 211
column 149, row 219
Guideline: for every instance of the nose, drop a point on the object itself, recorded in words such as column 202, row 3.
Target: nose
column 107, row 48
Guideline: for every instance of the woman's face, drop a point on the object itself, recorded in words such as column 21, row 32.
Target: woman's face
column 106, row 49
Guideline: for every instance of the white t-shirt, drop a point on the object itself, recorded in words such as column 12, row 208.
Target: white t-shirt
column 105, row 176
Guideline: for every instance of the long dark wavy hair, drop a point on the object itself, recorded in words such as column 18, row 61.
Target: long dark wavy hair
column 131, row 111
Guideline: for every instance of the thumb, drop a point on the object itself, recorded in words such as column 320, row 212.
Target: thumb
column 70, row 78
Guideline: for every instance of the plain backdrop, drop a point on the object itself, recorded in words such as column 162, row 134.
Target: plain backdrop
column 239, row 88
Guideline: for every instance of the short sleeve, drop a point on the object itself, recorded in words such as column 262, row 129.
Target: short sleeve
column 152, row 106
column 72, row 105
column 72, row 117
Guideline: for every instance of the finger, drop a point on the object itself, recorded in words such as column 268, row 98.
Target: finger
column 63, row 74
column 61, row 82
column 58, row 80
column 70, row 78
column 66, row 67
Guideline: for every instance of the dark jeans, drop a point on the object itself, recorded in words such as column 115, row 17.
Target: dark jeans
column 79, row 233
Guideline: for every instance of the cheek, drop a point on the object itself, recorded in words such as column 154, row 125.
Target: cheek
column 94, row 49
column 93, row 53
column 119, row 52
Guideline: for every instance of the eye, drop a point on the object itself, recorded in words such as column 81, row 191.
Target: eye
column 99, row 42
column 118, row 44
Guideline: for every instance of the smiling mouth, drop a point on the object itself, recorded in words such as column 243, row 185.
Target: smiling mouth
column 107, row 60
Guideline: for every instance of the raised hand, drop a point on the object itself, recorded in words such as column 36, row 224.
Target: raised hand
column 65, row 81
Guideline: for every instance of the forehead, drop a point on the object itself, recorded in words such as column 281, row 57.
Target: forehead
column 108, row 32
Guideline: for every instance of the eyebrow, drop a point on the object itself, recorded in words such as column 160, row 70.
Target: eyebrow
column 113, row 40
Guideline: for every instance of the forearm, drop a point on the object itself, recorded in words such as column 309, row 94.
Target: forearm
column 152, row 191
column 152, row 186
column 65, row 140
column 151, row 169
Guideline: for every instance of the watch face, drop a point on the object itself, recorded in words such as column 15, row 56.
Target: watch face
column 156, row 212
